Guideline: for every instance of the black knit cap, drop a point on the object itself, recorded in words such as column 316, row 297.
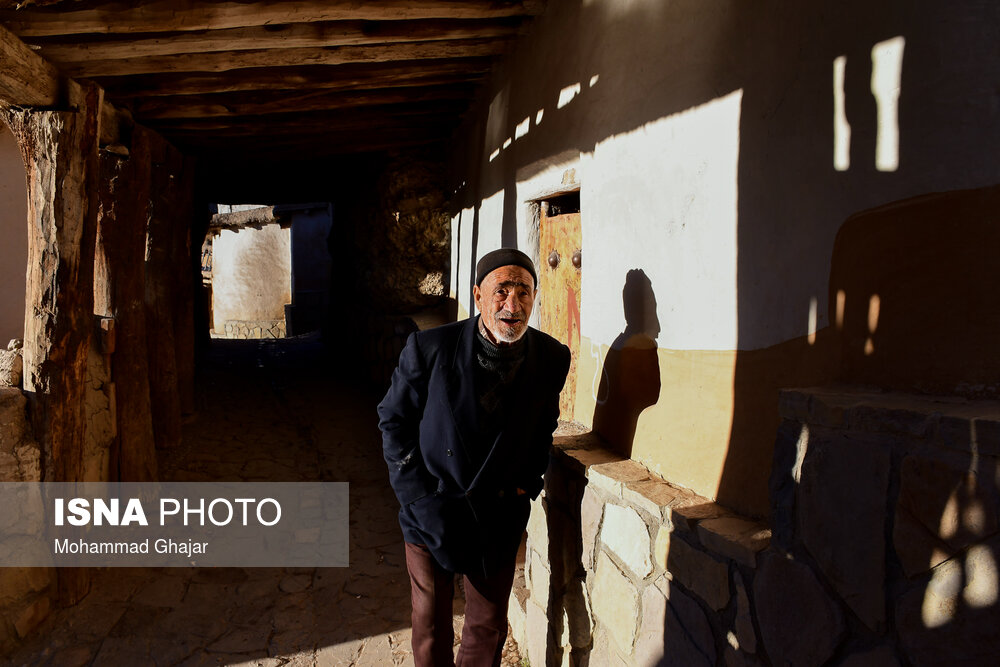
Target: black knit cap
column 492, row 261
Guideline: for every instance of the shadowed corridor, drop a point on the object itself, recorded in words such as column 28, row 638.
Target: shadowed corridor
column 281, row 411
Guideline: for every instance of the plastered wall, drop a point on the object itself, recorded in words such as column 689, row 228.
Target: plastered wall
column 719, row 147
column 251, row 275
column 14, row 247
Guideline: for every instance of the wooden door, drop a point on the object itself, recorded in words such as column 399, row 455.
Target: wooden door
column 559, row 287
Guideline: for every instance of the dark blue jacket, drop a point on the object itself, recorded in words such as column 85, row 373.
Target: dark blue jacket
column 470, row 516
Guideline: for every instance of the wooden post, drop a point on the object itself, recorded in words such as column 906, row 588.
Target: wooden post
column 120, row 293
column 60, row 155
column 160, row 292
column 59, row 149
column 187, row 269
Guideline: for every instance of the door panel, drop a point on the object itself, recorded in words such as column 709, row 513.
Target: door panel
column 559, row 291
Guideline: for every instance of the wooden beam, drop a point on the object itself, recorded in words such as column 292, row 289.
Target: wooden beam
column 29, row 81
column 296, row 35
column 318, row 146
column 296, row 123
column 26, row 79
column 274, row 102
column 337, row 55
column 186, row 15
column 315, row 77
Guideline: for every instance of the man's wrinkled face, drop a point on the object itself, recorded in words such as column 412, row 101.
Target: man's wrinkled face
column 505, row 298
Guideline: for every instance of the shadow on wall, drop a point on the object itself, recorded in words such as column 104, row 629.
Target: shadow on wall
column 880, row 477
column 630, row 380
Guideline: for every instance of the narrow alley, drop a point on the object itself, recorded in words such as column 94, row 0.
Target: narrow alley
column 268, row 411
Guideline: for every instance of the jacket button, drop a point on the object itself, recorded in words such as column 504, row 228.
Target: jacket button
column 448, row 452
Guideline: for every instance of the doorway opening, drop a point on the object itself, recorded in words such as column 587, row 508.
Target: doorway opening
column 266, row 269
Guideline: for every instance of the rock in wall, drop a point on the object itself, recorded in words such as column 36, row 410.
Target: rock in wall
column 402, row 235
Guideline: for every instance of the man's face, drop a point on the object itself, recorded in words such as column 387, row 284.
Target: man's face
column 505, row 298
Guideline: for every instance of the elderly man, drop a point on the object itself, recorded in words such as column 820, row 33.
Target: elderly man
column 466, row 432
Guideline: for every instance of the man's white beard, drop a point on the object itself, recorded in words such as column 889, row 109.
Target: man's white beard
column 506, row 334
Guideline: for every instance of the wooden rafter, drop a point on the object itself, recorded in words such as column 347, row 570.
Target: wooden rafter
column 65, row 51
column 185, row 15
column 26, row 79
column 311, row 77
column 277, row 75
column 337, row 55
column 257, row 104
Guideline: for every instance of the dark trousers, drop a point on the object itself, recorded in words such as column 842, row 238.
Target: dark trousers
column 432, row 591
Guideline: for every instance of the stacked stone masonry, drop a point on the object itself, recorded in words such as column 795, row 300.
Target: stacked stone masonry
column 25, row 593
column 623, row 568
column 885, row 547
column 246, row 329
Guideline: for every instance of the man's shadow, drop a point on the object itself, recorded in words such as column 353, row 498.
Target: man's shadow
column 630, row 380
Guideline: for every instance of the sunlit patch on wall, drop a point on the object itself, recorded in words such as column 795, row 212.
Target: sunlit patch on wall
column 887, row 71
column 522, row 128
column 594, row 79
column 494, row 154
column 567, row 94
column 841, row 128
column 813, row 317
column 981, row 574
column 538, row 116
column 507, row 143
column 874, row 305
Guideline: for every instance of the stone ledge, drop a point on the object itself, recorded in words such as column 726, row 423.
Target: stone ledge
column 726, row 533
column 736, row 538
column 950, row 421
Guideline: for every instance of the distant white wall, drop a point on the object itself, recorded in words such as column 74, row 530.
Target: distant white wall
column 14, row 235
column 251, row 275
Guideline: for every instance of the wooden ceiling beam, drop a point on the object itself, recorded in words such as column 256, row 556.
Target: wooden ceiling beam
column 329, row 77
column 186, row 15
column 26, row 79
column 338, row 55
column 307, row 123
column 257, row 104
column 64, row 51
column 315, row 146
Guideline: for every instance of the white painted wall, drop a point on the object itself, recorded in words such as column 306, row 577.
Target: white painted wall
column 14, row 235
column 719, row 146
column 703, row 138
column 251, row 275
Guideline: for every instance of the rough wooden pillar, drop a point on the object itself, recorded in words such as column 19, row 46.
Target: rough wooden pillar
column 187, row 265
column 160, row 294
column 119, row 290
column 60, row 155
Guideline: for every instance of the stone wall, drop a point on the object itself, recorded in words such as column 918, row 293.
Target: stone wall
column 402, row 236
column 26, row 594
column 255, row 329
column 885, row 547
column 886, row 506
column 623, row 568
